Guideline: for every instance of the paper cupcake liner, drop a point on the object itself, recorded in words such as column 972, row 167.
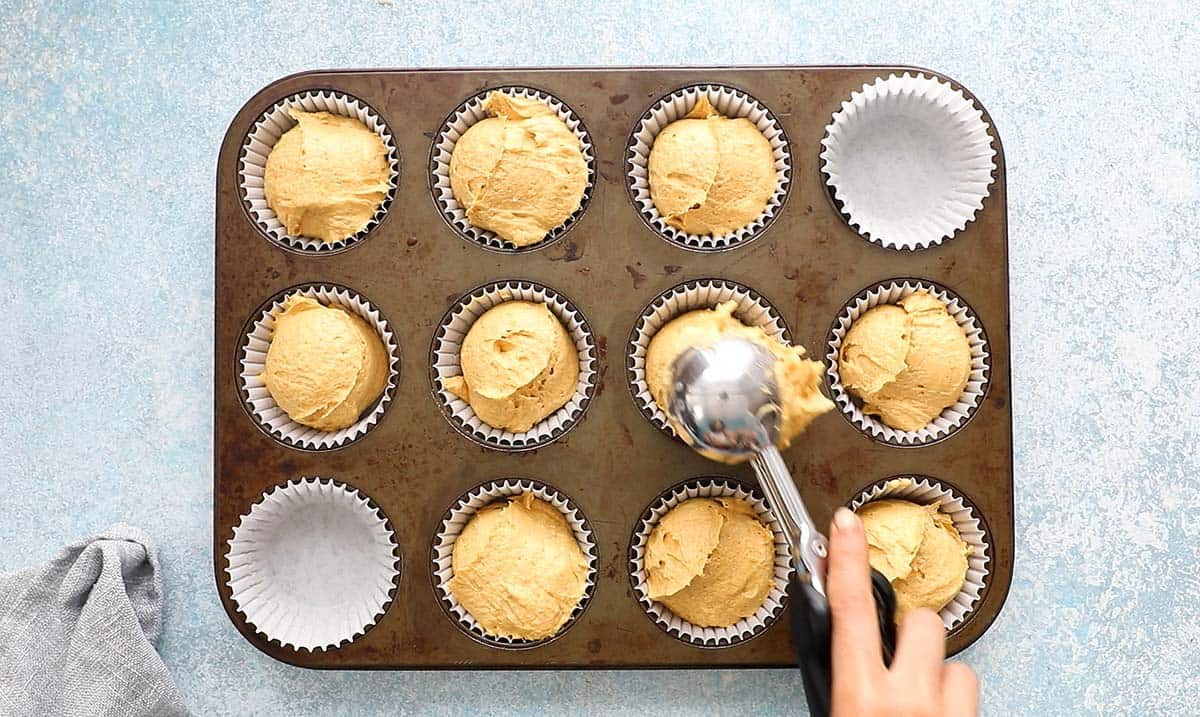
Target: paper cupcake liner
column 752, row 309
column 908, row 160
column 925, row 490
column 732, row 103
column 463, row 511
column 459, row 121
column 672, row 624
column 263, row 408
column 952, row 418
column 444, row 363
column 267, row 130
column 313, row 565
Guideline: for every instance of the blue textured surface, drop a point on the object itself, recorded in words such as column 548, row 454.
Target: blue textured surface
column 109, row 128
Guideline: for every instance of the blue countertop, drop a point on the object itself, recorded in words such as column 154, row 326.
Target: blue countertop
column 109, row 128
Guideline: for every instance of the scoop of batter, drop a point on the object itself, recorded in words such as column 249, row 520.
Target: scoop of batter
column 326, row 177
column 519, row 365
column 518, row 568
column 325, row 366
column 710, row 174
column 918, row 549
column 710, row 561
column 520, row 172
column 799, row 379
column 906, row 361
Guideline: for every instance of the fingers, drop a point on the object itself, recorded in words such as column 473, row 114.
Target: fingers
column 960, row 691
column 857, row 655
column 921, row 643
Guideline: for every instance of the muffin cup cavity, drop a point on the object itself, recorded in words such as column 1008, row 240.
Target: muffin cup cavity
column 952, row 418
column 972, row 529
column 732, row 103
column 902, row 133
column 262, row 407
column 266, row 131
column 459, row 121
column 313, row 565
column 752, row 310
column 444, row 362
column 461, row 513
column 672, row 624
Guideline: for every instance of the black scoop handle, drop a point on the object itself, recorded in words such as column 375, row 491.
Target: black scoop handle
column 812, row 633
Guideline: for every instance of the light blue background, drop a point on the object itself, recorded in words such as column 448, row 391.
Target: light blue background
column 110, row 121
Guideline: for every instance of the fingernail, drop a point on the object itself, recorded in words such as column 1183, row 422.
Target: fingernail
column 845, row 520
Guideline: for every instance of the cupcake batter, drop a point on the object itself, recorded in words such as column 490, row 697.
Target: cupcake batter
column 906, row 361
column 918, row 549
column 325, row 365
column 326, row 177
column 799, row 379
column 518, row 569
column 519, row 365
column 711, row 175
column 710, row 561
column 519, row 173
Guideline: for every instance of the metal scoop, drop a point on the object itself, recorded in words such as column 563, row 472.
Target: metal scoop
column 725, row 403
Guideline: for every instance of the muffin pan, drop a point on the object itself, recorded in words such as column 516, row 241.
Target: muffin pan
column 807, row 264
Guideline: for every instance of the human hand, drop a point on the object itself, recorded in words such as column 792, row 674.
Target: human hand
column 918, row 682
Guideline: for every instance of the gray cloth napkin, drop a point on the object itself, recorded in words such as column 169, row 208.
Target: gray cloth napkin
column 77, row 634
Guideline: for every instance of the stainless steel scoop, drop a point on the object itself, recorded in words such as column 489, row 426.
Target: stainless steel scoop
column 724, row 400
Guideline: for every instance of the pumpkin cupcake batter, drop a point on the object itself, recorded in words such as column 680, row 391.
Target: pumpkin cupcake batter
column 325, row 365
column 711, row 175
column 519, row 365
column 326, row 177
column 799, row 378
column 518, row 569
column 520, row 172
column 710, row 561
column 906, row 361
column 918, row 549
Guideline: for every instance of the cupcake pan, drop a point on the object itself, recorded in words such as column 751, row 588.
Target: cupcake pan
column 414, row 268
column 461, row 513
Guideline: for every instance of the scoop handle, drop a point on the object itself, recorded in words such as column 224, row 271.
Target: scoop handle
column 812, row 636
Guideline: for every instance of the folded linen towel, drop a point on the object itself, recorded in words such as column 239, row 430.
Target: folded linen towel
column 77, row 634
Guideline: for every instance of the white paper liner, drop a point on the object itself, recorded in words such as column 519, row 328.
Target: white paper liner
column 467, row 114
column 910, row 160
column 444, row 363
column 952, row 418
column 732, row 103
column 926, row 491
column 742, row 630
column 313, row 564
column 752, row 309
column 267, row 130
column 464, row 510
column 262, row 406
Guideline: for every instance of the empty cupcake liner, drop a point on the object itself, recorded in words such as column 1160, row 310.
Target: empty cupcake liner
column 313, row 565
column 258, row 401
column 909, row 160
column 732, row 103
column 926, row 491
column 952, row 418
column 672, row 624
column 752, row 310
column 459, row 121
column 444, row 363
column 463, row 511
column 267, row 130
